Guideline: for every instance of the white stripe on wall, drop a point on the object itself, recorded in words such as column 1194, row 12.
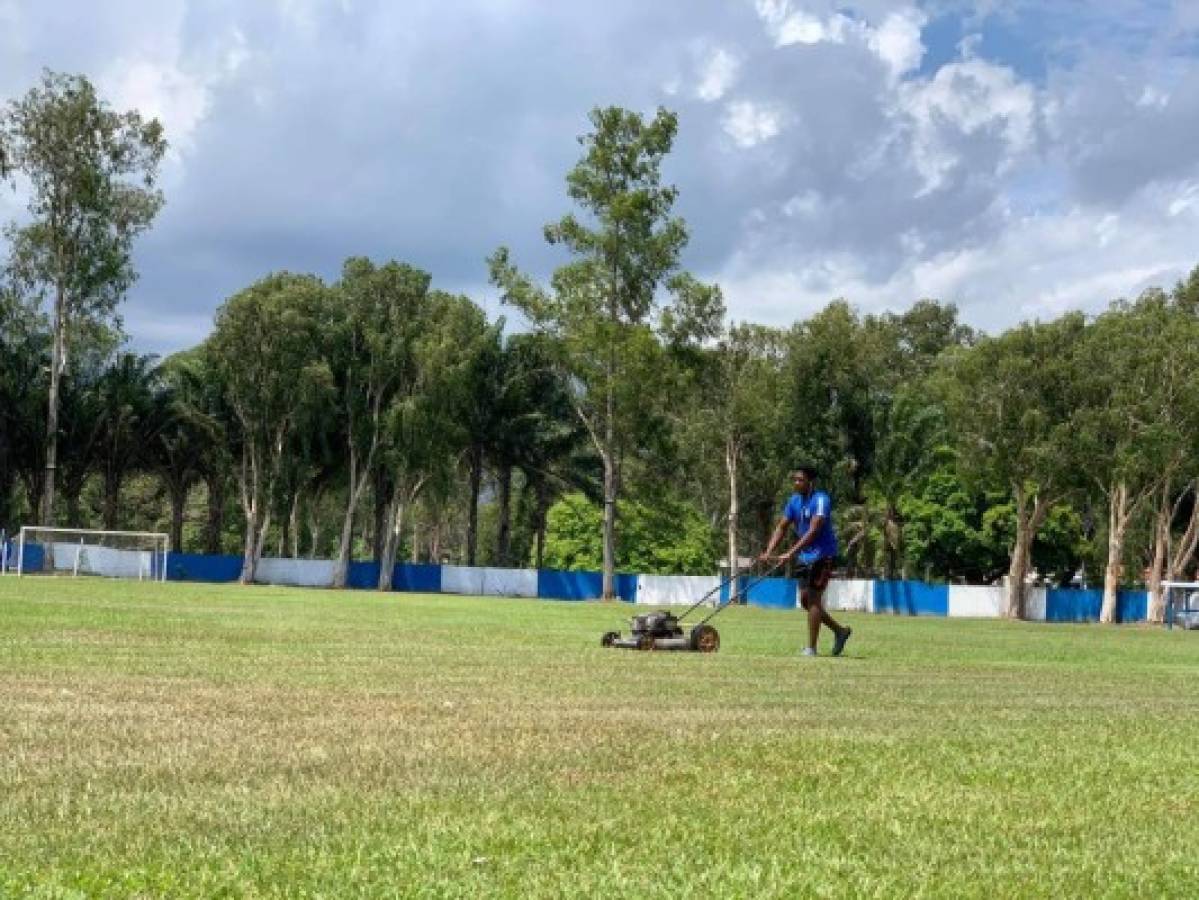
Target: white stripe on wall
column 461, row 580
column 969, row 601
column 508, row 582
column 296, row 572
column 676, row 590
column 1034, row 604
column 851, row 594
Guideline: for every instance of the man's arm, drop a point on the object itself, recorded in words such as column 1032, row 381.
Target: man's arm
column 807, row 537
column 779, row 530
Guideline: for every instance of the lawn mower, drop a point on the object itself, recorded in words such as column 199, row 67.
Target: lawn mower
column 662, row 630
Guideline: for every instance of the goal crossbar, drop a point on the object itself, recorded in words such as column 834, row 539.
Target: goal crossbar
column 148, row 562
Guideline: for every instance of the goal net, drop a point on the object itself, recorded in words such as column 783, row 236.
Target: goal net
column 81, row 551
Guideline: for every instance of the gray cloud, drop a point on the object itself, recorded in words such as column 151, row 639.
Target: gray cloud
column 304, row 132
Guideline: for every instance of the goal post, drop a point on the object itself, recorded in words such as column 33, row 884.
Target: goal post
column 1182, row 603
column 86, row 551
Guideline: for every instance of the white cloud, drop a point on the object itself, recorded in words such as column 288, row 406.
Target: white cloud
column 965, row 98
column 805, row 204
column 1154, row 97
column 1040, row 267
column 750, row 124
column 158, row 90
column 897, row 41
column 162, row 83
column 800, row 28
column 1187, row 200
column 717, row 75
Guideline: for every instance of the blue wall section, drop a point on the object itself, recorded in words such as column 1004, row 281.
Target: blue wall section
column 772, row 593
column 35, row 557
column 198, row 567
column 911, row 598
column 555, row 585
column 1132, row 606
column 1072, row 605
column 416, row 577
column 363, row 575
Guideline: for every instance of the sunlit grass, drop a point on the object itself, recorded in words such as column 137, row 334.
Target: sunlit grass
column 188, row 740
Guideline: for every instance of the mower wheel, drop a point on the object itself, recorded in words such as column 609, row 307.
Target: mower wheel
column 608, row 638
column 705, row 639
column 645, row 642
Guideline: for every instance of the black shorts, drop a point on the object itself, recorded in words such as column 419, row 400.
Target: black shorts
column 817, row 575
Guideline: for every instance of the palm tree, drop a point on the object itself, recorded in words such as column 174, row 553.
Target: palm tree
column 128, row 425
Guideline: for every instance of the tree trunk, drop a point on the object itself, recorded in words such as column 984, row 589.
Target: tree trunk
column 391, row 542
column 251, row 552
column 503, row 537
column 892, row 542
column 293, row 526
column 249, row 482
column 112, row 498
column 1027, row 523
column 609, row 577
column 731, row 455
column 381, row 492
column 543, row 506
column 71, row 494
column 345, row 543
column 57, row 364
column 472, row 516
column 1118, row 515
column 1176, row 562
column 1156, row 611
column 178, row 494
column 1183, row 557
column 435, row 543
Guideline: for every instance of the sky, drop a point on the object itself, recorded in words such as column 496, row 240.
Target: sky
column 1017, row 158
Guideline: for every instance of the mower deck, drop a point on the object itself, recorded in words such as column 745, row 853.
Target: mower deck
column 662, row 631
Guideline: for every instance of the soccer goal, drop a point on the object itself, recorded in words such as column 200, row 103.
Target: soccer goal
column 81, row 551
column 1182, row 604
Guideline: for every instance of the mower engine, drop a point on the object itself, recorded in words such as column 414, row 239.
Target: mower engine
column 661, row 630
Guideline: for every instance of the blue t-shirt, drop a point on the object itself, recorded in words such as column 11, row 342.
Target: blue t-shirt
column 800, row 511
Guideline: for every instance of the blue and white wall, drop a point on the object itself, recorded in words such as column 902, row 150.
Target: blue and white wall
column 905, row 598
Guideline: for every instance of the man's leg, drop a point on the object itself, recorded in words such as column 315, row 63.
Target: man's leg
column 815, row 614
column 821, row 575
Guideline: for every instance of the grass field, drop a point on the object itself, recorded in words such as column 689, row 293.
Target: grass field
column 189, row 740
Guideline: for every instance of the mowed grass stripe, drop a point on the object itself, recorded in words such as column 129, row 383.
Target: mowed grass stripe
column 197, row 740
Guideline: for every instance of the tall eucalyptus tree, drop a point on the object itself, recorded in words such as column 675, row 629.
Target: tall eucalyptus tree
column 604, row 305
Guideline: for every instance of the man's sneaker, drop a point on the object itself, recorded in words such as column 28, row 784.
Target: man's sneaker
column 808, row 651
column 842, row 637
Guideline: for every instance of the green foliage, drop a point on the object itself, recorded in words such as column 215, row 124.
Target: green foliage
column 944, row 535
column 91, row 173
column 1060, row 549
column 1013, row 404
column 24, row 363
column 665, row 538
column 604, row 307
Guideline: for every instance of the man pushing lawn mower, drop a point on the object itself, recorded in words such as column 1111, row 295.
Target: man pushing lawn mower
column 810, row 513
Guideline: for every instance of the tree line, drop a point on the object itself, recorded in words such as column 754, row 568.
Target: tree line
column 630, row 427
